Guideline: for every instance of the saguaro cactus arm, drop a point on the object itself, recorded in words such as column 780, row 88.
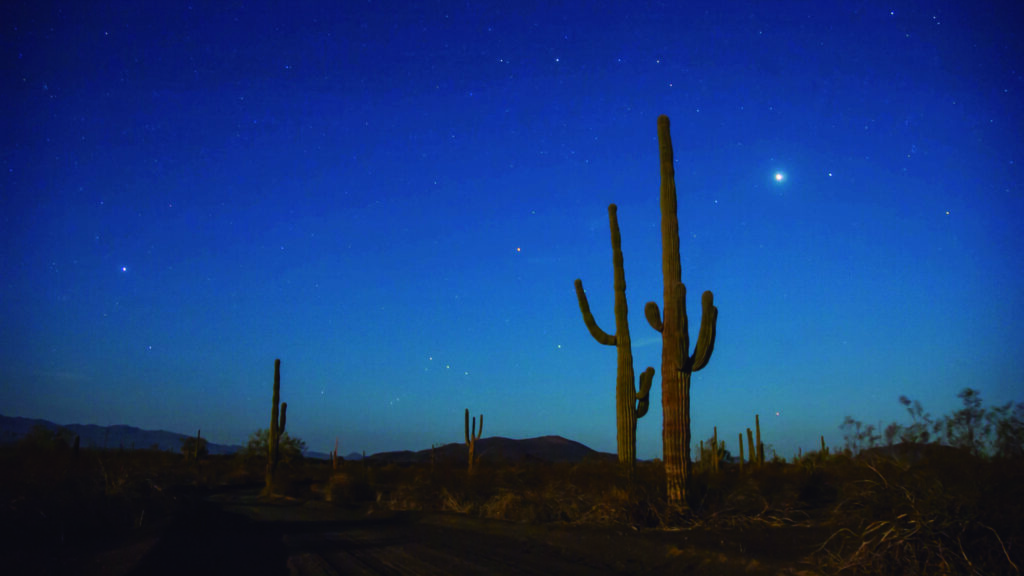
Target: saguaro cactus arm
column 643, row 397
column 588, row 318
column 708, row 327
column 706, row 336
column 653, row 315
column 472, row 435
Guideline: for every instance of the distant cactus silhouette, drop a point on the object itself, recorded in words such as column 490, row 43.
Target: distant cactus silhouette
column 741, row 451
column 194, row 448
column 714, row 450
column 277, row 423
column 750, row 444
column 472, row 436
column 677, row 364
column 629, row 403
column 760, row 445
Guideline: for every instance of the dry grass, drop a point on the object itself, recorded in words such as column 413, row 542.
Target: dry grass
column 945, row 516
column 870, row 517
column 898, row 519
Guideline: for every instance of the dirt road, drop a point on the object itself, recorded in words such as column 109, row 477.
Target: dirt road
column 237, row 533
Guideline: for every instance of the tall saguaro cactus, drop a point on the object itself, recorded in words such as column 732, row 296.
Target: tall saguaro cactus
column 677, row 364
column 472, row 436
column 277, row 422
column 630, row 404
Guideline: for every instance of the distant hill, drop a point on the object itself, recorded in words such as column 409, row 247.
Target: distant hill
column 497, row 449
column 13, row 429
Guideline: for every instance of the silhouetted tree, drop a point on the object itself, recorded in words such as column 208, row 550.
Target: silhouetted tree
column 291, row 449
column 1008, row 423
column 991, row 432
column 857, row 436
column 921, row 425
column 188, row 448
column 967, row 428
column 43, row 438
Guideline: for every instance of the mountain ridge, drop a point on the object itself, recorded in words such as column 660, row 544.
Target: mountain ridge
column 496, row 449
column 14, row 428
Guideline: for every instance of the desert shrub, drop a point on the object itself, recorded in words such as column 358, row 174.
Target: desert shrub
column 989, row 432
column 43, row 439
column 519, row 506
column 56, row 499
column 188, row 448
column 595, row 491
column 815, row 459
column 291, row 448
column 819, row 488
column 896, row 518
column 350, row 486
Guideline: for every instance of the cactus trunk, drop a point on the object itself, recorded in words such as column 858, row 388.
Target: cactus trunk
column 472, row 435
column 760, row 445
column 741, row 451
column 629, row 403
column 277, row 423
column 714, row 454
column 677, row 364
column 750, row 444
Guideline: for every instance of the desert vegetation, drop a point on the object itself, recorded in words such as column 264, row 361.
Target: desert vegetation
column 946, row 504
column 908, row 507
column 62, row 504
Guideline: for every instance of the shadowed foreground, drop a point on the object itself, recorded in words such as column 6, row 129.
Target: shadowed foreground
column 237, row 533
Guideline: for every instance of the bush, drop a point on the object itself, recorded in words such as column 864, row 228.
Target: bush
column 291, row 449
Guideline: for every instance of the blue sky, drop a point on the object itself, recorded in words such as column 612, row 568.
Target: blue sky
column 395, row 198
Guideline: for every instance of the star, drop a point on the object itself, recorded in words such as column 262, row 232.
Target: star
column 779, row 176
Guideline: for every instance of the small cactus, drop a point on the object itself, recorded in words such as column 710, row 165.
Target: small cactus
column 472, row 435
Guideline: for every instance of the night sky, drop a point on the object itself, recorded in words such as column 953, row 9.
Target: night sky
column 394, row 198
